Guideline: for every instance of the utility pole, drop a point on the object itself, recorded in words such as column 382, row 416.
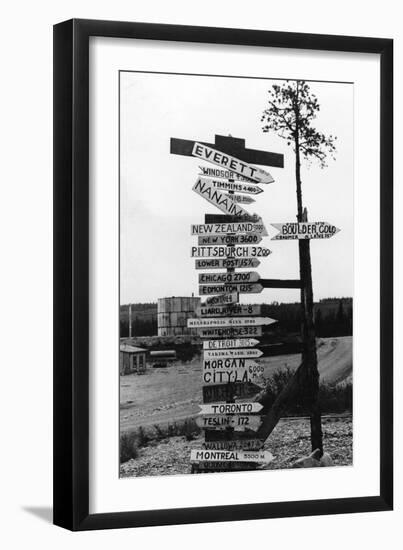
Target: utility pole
column 130, row 320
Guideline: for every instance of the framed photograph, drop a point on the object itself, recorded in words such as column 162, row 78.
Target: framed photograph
column 223, row 292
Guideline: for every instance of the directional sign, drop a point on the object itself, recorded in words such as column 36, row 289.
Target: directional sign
column 233, row 353
column 227, row 263
column 203, row 455
column 240, row 239
column 226, row 161
column 227, row 344
column 232, row 277
column 234, row 310
column 243, row 186
column 222, row 173
column 244, row 288
column 229, row 298
column 229, row 322
column 221, row 200
column 231, row 332
column 228, row 376
column 241, row 199
column 223, row 392
column 304, row 230
column 229, row 252
column 225, row 228
column 239, row 423
column 231, row 408
column 234, row 444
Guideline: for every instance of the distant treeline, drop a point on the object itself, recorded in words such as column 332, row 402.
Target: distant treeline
column 333, row 317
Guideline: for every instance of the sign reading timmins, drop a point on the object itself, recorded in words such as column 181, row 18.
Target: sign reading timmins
column 231, row 163
column 237, row 187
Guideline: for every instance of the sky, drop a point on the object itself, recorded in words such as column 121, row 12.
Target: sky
column 158, row 206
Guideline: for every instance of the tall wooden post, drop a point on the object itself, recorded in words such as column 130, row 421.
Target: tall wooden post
column 309, row 355
column 130, row 320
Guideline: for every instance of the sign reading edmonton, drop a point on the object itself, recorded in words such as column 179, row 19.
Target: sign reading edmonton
column 242, row 288
column 304, row 230
column 226, row 161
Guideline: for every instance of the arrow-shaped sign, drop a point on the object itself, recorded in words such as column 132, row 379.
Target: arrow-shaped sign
column 229, row 322
column 231, row 408
column 239, row 423
column 231, row 332
column 232, row 277
column 236, row 186
column 241, row 199
column 229, row 298
column 203, row 455
column 233, row 343
column 240, row 239
column 235, row 263
column 249, row 353
column 231, row 163
column 234, row 444
column 235, row 309
column 221, row 200
column 229, row 252
column 304, row 230
column 225, row 228
column 244, row 288
column 223, row 392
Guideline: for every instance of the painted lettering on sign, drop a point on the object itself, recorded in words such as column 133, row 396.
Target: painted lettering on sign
column 233, row 353
column 234, row 309
column 224, row 228
column 223, row 201
column 231, row 408
column 235, row 444
column 227, row 263
column 231, row 343
column 242, row 239
column 236, row 186
column 241, row 199
column 232, row 277
column 229, row 298
column 220, row 173
column 232, row 332
column 227, row 161
column 229, row 252
column 304, row 230
column 244, row 288
column 237, row 422
column 222, row 456
column 229, row 322
column 232, row 376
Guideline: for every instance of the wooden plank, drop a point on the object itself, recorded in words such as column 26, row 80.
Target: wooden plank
column 227, row 263
column 216, row 197
column 225, row 240
column 229, row 252
column 228, row 298
column 228, row 227
column 198, row 322
column 244, row 353
column 238, row 422
column 235, row 310
column 249, row 188
column 230, row 145
column 231, row 332
column 227, row 344
column 304, row 230
column 204, row 455
column 231, row 408
column 231, row 277
column 223, row 392
column 280, row 283
column 244, row 288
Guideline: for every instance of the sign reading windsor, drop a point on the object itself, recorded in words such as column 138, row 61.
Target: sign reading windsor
column 234, row 431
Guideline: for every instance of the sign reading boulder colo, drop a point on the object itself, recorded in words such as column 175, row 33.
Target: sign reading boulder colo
column 304, row 230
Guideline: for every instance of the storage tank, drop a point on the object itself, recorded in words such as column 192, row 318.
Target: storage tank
column 173, row 314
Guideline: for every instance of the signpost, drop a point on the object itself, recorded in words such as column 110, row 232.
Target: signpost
column 243, row 288
column 228, row 263
column 231, row 408
column 240, row 239
column 235, row 310
column 222, row 456
column 228, row 344
column 229, row 252
column 304, row 230
column 229, row 322
column 227, row 161
column 229, row 241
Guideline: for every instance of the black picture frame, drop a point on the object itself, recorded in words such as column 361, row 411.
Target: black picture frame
column 71, row 273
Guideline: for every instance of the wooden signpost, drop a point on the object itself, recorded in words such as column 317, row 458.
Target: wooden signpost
column 231, row 241
column 304, row 230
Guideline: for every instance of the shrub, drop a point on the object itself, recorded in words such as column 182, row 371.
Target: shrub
column 128, row 446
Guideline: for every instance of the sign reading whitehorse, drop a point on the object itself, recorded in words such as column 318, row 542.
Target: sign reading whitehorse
column 223, row 456
column 231, row 408
column 232, row 332
column 224, row 228
column 245, row 238
column 221, row 200
column 238, row 423
column 229, row 252
column 234, row 343
column 229, row 322
column 231, row 163
column 227, row 263
column 304, row 230
column 234, row 277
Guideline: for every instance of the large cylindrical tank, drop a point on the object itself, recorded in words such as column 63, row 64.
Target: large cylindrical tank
column 173, row 314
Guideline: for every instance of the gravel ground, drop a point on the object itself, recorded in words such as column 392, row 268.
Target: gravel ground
column 288, row 442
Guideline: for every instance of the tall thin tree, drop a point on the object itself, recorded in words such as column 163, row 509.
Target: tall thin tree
column 292, row 109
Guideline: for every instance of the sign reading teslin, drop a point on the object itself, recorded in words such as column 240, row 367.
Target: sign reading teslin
column 227, row 161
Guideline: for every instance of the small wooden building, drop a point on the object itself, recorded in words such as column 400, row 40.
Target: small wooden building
column 132, row 359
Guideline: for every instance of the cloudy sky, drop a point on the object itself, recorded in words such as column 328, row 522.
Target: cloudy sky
column 158, row 204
